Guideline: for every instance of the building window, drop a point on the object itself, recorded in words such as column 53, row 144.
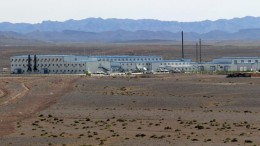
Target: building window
column 256, row 61
column 242, row 61
column 249, row 61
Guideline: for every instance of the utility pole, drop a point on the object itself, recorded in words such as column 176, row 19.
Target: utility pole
column 182, row 50
column 197, row 59
column 200, row 50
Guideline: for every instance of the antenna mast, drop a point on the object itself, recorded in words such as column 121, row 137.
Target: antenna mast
column 182, row 48
column 200, row 49
column 197, row 58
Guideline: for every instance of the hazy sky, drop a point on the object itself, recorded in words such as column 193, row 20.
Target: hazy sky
column 34, row 11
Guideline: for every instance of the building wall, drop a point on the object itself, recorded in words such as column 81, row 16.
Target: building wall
column 69, row 64
column 128, row 58
column 55, row 65
column 174, row 66
column 98, row 66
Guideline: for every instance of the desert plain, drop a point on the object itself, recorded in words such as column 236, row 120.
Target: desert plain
column 166, row 109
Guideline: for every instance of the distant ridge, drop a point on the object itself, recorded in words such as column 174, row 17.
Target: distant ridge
column 127, row 30
column 102, row 25
column 127, row 36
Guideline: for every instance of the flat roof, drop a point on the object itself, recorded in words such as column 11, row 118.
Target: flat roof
column 110, row 56
column 26, row 56
column 124, row 56
column 154, row 61
column 240, row 58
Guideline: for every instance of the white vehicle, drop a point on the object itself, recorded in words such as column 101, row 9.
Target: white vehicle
column 99, row 72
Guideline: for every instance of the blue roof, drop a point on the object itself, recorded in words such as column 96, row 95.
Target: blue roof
column 153, row 61
column 116, row 56
column 217, row 63
column 26, row 56
column 240, row 58
column 125, row 56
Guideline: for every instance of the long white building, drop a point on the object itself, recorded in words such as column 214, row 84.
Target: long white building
column 231, row 64
column 71, row 64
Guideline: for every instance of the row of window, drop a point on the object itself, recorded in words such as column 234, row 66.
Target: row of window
column 161, row 64
column 175, row 69
column 61, row 71
column 59, row 65
column 126, row 64
column 42, row 60
column 179, row 63
column 246, row 61
column 64, row 71
column 131, row 59
column 111, row 59
column 186, row 69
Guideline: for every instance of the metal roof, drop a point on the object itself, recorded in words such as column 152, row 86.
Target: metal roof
column 154, row 61
column 240, row 58
column 125, row 56
column 116, row 56
column 26, row 56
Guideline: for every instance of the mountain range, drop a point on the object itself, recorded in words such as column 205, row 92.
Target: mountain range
column 116, row 30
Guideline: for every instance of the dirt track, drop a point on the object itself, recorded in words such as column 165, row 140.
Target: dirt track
column 28, row 100
column 17, row 96
column 3, row 93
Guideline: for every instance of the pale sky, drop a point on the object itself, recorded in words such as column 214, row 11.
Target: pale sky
column 35, row 11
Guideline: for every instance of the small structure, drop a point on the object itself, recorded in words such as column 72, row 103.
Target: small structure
column 5, row 70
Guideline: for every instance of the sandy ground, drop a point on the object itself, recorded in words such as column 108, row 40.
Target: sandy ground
column 174, row 109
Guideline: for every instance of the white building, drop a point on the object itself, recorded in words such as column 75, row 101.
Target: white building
column 70, row 64
column 231, row 64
